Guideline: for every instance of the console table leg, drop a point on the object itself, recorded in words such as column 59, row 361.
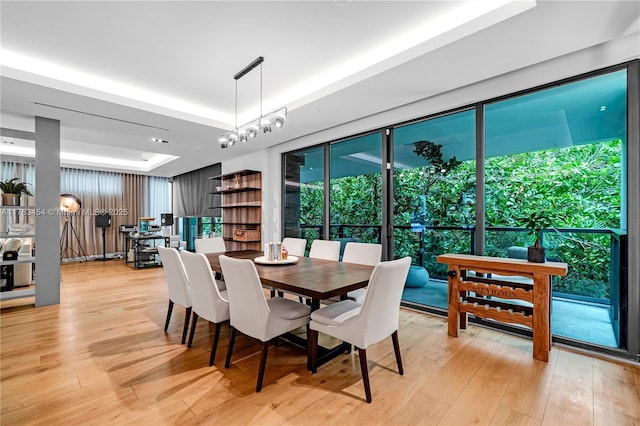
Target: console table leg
column 463, row 320
column 455, row 317
column 541, row 323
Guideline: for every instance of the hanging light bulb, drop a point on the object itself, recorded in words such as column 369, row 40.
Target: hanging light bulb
column 278, row 117
column 252, row 131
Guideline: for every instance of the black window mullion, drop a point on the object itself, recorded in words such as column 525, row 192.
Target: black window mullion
column 326, row 220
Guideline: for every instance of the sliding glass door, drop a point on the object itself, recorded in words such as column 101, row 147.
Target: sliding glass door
column 355, row 186
column 559, row 152
column 434, row 199
column 304, row 212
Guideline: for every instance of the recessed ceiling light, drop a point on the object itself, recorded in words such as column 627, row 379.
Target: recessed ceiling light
column 158, row 140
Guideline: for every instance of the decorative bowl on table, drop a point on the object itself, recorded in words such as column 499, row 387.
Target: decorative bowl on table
column 290, row 260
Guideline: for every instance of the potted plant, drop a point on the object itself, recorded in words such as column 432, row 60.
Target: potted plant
column 12, row 189
column 535, row 223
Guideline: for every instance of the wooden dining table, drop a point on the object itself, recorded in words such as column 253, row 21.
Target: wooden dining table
column 316, row 279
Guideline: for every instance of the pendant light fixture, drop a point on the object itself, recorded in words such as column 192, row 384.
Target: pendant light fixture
column 264, row 123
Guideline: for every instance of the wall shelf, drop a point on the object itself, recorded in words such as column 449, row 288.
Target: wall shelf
column 13, row 235
column 235, row 206
column 17, row 294
column 235, row 190
column 26, row 259
column 241, row 194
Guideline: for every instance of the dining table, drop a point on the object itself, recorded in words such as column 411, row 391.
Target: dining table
column 314, row 279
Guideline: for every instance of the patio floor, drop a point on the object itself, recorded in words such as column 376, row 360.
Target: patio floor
column 572, row 319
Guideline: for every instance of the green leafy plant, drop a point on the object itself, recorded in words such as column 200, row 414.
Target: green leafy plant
column 535, row 223
column 437, row 168
column 14, row 186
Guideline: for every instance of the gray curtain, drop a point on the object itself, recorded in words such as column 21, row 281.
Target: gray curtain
column 121, row 195
column 192, row 192
column 125, row 196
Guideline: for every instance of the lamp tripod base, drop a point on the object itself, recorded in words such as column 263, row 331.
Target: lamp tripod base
column 66, row 251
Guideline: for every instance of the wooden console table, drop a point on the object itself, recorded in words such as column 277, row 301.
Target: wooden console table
column 465, row 277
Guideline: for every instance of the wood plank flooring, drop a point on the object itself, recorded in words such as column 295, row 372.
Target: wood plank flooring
column 101, row 358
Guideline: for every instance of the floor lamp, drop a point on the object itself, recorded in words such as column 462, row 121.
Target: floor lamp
column 70, row 205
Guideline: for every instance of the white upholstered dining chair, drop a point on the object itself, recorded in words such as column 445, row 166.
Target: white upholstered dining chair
column 325, row 249
column 177, row 284
column 210, row 245
column 295, row 246
column 363, row 254
column 208, row 301
column 254, row 315
column 366, row 324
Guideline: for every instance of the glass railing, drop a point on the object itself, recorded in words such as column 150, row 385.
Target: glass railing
column 361, row 233
column 591, row 254
column 588, row 253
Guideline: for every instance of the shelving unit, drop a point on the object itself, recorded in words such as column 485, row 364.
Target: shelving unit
column 145, row 250
column 241, row 194
column 13, row 214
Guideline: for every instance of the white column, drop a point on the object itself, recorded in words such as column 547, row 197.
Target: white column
column 48, row 207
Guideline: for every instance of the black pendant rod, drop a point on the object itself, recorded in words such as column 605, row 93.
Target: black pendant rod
column 249, row 68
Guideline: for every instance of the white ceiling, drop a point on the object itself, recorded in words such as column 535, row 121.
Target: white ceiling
column 117, row 73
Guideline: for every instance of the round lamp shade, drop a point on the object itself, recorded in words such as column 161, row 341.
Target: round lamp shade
column 69, row 203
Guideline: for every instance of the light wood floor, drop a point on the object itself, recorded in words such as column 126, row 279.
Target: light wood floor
column 101, row 357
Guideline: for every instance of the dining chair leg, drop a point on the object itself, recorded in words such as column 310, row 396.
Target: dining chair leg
column 263, row 363
column 312, row 350
column 194, row 320
column 187, row 316
column 232, row 340
column 214, row 346
column 396, row 349
column 169, row 310
column 362, row 353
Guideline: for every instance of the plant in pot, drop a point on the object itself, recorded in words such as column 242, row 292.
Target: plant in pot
column 535, row 223
column 12, row 189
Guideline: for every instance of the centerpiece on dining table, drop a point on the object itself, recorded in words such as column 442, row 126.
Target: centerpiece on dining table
column 275, row 253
